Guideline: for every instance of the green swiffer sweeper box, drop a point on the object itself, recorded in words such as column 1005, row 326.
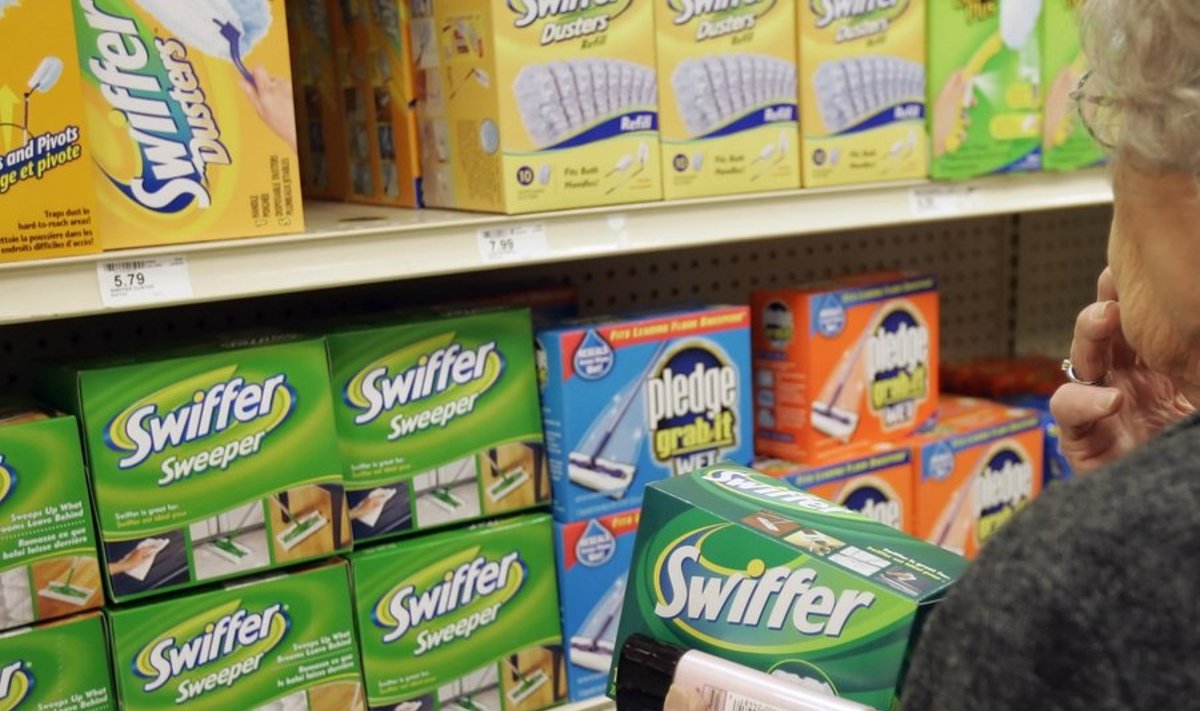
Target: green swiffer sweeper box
column 49, row 566
column 745, row 567
column 60, row 665
column 208, row 464
column 462, row 620
column 439, row 421
column 283, row 642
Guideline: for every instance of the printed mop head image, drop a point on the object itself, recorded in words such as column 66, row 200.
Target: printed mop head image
column 442, row 494
column 835, row 413
column 224, row 544
column 380, row 497
column 526, row 684
column 465, row 694
column 298, row 529
column 65, row 591
column 508, row 481
column 604, row 460
column 593, row 647
column 408, row 706
column 292, row 702
column 43, row 79
column 224, row 29
column 153, row 546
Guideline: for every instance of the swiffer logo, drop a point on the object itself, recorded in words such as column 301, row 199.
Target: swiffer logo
column 692, row 408
column 475, row 589
column 232, row 634
column 16, row 684
column 747, row 485
column 1003, row 487
column 567, row 19
column 898, row 366
column 8, row 479
column 169, row 119
column 730, row 16
column 702, row 598
column 196, row 409
column 429, row 384
column 862, row 18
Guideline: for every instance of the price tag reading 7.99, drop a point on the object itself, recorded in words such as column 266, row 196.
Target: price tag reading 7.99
column 144, row 281
column 513, row 243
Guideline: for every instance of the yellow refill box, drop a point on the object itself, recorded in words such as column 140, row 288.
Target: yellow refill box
column 727, row 91
column 46, row 199
column 862, row 84
column 533, row 105
column 188, row 107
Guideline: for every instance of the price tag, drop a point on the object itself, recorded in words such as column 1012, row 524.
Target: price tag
column 513, row 243
column 943, row 200
column 144, row 281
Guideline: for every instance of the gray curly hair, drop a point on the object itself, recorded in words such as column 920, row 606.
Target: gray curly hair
column 1145, row 57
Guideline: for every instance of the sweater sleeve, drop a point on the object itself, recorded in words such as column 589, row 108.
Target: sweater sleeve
column 1008, row 638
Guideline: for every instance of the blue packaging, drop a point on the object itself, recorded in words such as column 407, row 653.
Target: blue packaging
column 592, row 558
column 627, row 402
column 1056, row 467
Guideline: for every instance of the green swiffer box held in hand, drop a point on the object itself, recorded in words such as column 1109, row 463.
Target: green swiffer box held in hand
column 209, row 464
column 60, row 665
column 278, row 643
column 466, row 619
column 745, row 567
column 48, row 562
column 439, row 421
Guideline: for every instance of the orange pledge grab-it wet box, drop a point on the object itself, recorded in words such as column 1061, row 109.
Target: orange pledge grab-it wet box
column 976, row 469
column 46, row 197
column 187, row 108
column 844, row 362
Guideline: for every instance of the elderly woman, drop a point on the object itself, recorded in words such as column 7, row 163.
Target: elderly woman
column 1091, row 598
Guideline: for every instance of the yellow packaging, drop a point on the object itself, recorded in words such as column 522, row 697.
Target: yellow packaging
column 727, row 88
column 534, row 105
column 312, row 34
column 188, row 108
column 46, row 197
column 384, row 88
column 862, row 91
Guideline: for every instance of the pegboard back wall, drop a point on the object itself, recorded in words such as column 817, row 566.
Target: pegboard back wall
column 977, row 261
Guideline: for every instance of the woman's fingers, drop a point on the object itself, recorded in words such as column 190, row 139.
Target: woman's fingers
column 1106, row 286
column 1091, row 348
column 1077, row 408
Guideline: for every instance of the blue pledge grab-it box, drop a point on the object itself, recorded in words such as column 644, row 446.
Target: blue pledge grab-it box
column 629, row 401
column 592, row 557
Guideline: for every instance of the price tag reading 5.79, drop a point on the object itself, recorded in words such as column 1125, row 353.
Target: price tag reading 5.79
column 144, row 281
column 513, row 243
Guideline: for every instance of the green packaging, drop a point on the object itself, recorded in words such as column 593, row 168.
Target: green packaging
column 438, row 420
column 61, row 665
column 731, row 562
column 283, row 642
column 466, row 619
column 1066, row 142
column 48, row 562
column 207, row 464
column 985, row 93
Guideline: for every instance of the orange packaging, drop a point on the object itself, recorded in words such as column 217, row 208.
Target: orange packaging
column 876, row 481
column 844, row 363
column 314, row 29
column 979, row 466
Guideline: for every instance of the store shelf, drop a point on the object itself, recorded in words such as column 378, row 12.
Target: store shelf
column 600, row 704
column 351, row 244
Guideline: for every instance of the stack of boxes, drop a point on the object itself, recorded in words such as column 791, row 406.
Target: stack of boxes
column 627, row 402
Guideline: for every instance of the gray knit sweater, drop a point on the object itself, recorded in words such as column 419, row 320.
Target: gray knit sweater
column 1088, row 600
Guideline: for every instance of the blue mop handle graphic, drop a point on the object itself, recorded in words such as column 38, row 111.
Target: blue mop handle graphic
column 603, row 444
column 233, row 36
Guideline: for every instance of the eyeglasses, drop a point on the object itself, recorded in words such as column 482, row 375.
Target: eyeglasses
column 1096, row 112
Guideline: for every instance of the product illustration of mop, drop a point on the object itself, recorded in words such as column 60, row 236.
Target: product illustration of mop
column 224, row 29
column 612, row 475
column 507, row 481
column 442, row 494
column 777, row 150
column 224, row 545
column 625, row 163
column 298, row 528
column 408, row 706
column 836, row 411
column 153, row 546
column 593, row 647
column 43, row 79
column 380, row 496
column 526, row 685
column 66, row 591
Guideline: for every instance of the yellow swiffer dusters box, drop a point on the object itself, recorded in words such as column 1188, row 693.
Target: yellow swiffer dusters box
column 46, row 199
column 533, row 105
column 727, row 88
column 862, row 84
column 188, row 107
column 320, row 114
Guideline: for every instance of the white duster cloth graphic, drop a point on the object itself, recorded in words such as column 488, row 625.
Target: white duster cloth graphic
column 224, row 29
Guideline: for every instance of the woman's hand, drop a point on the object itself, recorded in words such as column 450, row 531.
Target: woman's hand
column 1102, row 424
column 132, row 559
column 272, row 99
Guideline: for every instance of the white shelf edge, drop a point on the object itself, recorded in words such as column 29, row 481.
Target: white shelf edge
column 601, row 703
column 347, row 244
